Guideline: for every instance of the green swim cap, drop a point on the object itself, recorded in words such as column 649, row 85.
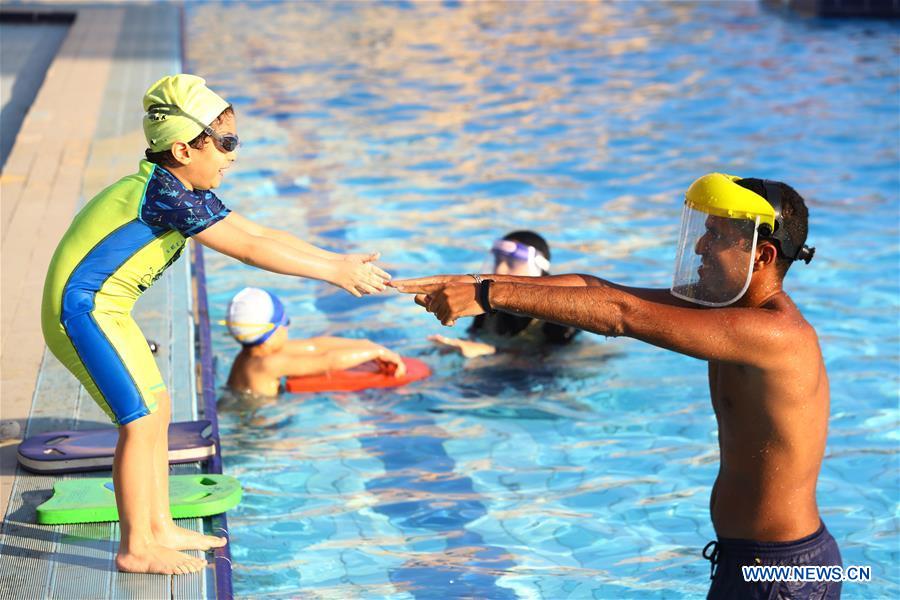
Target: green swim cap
column 177, row 108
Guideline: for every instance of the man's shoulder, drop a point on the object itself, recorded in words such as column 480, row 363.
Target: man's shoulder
column 788, row 329
column 787, row 316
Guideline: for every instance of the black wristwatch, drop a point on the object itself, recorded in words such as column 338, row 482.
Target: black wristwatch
column 483, row 295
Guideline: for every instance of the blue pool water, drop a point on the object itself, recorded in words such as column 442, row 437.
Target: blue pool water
column 425, row 130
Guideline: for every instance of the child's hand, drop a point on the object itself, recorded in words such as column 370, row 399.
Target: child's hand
column 362, row 257
column 359, row 275
column 390, row 362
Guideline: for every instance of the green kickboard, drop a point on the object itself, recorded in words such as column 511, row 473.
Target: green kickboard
column 92, row 500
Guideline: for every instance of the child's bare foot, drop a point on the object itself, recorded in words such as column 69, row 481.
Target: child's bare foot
column 173, row 536
column 154, row 558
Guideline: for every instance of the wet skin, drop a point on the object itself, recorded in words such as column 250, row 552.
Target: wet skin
column 258, row 369
column 768, row 384
column 772, row 422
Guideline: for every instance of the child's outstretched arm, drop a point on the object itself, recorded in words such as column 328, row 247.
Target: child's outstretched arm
column 359, row 276
column 289, row 239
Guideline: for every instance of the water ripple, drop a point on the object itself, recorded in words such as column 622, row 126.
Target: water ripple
column 425, row 130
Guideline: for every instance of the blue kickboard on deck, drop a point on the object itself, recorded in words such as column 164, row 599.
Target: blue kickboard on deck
column 93, row 449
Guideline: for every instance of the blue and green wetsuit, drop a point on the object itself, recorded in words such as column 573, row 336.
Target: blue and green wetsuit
column 115, row 248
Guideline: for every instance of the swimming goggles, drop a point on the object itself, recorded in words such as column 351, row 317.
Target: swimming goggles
column 225, row 143
column 520, row 253
column 518, row 257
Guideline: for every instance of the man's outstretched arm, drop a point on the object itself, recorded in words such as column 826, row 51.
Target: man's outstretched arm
column 739, row 335
column 660, row 295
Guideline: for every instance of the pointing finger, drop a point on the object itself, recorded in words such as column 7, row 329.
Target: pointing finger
column 420, row 281
column 416, row 288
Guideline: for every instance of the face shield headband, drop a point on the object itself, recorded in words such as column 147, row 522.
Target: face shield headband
column 777, row 233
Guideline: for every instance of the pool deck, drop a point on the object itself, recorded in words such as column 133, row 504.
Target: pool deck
column 82, row 132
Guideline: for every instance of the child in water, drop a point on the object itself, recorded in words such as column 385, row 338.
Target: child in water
column 257, row 319
column 115, row 248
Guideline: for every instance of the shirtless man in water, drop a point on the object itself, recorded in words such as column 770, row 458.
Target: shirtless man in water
column 767, row 378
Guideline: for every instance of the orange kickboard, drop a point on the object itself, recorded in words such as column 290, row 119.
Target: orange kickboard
column 363, row 377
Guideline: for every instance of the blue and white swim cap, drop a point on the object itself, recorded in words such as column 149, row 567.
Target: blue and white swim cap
column 254, row 314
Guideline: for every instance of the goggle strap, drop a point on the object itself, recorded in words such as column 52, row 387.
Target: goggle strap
column 175, row 110
column 259, row 328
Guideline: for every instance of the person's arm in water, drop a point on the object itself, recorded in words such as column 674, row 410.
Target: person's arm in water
column 322, row 355
column 357, row 274
column 505, row 325
column 754, row 336
column 467, row 348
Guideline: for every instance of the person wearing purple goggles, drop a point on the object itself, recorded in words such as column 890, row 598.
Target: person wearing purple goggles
column 522, row 253
column 513, row 257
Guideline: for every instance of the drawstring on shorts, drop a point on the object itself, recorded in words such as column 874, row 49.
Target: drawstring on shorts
column 711, row 553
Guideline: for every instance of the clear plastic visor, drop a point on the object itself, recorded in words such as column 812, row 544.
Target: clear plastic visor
column 714, row 261
column 513, row 258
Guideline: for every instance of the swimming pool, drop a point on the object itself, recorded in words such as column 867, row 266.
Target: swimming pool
column 425, row 130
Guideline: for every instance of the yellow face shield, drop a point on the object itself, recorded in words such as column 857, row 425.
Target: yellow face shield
column 199, row 106
column 717, row 244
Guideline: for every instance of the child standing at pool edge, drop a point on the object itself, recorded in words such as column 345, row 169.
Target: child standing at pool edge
column 115, row 248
